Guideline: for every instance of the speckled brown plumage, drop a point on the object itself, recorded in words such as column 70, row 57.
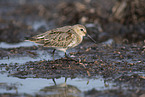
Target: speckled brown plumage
column 61, row 38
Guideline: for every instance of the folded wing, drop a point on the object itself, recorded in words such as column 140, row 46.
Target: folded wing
column 55, row 38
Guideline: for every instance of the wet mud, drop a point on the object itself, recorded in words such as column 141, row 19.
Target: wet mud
column 116, row 62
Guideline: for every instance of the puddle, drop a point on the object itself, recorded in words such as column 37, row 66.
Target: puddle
column 16, row 45
column 22, row 60
column 42, row 54
column 39, row 85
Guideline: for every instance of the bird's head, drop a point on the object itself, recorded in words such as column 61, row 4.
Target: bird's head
column 80, row 29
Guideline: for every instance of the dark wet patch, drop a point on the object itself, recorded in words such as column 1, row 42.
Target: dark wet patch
column 21, row 51
column 115, row 93
column 130, row 80
column 108, row 61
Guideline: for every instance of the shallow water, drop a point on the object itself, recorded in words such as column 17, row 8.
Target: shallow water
column 42, row 54
column 33, row 86
column 16, row 45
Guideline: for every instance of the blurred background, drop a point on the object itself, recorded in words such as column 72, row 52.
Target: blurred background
column 120, row 20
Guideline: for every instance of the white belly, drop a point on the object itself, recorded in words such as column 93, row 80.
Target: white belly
column 61, row 49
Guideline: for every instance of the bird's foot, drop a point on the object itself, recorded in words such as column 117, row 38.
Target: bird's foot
column 69, row 58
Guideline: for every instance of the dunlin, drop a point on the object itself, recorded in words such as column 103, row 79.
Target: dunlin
column 62, row 38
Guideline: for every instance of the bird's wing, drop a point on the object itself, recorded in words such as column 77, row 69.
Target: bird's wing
column 55, row 38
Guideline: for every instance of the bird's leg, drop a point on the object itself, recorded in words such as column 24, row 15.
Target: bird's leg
column 66, row 55
column 54, row 81
column 53, row 53
column 65, row 79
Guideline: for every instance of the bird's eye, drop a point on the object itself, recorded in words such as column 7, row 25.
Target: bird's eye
column 81, row 29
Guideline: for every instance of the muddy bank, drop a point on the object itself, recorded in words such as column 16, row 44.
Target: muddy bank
column 122, row 64
column 87, row 60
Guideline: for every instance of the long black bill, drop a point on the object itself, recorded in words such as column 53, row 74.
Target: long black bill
column 91, row 39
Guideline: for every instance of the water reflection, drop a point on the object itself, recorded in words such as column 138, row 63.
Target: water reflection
column 40, row 86
column 61, row 90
